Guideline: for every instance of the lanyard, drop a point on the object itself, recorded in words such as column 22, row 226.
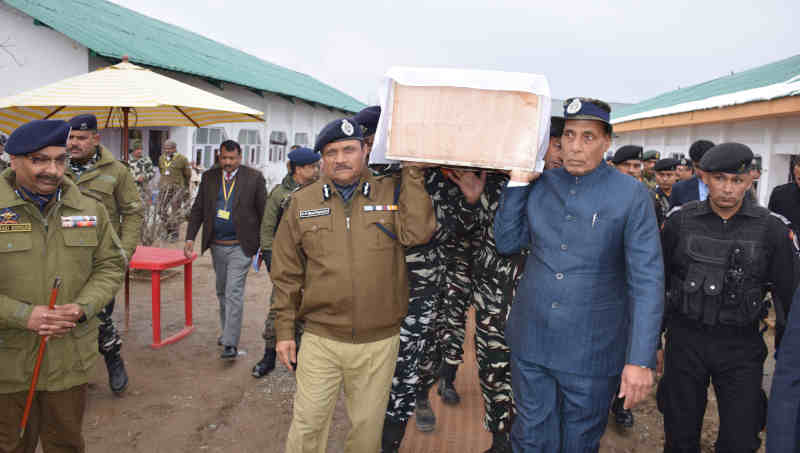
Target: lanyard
column 168, row 161
column 226, row 192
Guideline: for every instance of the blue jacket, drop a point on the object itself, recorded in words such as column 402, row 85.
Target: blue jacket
column 592, row 295
column 783, row 418
column 685, row 191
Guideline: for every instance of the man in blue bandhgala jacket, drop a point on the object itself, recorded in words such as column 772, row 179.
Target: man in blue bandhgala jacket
column 588, row 310
column 783, row 415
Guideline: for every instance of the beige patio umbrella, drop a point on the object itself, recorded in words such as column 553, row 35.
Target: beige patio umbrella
column 124, row 95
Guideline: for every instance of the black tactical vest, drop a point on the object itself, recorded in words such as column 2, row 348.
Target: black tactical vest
column 720, row 278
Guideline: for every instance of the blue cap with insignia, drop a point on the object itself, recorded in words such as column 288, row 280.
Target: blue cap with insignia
column 303, row 156
column 368, row 119
column 38, row 134
column 587, row 109
column 732, row 158
column 85, row 122
column 336, row 131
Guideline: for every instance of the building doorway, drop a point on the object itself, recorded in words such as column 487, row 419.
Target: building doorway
column 157, row 138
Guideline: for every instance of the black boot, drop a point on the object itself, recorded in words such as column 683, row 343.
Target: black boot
column 622, row 417
column 393, row 433
column 501, row 443
column 117, row 376
column 266, row 365
column 447, row 374
column 424, row 416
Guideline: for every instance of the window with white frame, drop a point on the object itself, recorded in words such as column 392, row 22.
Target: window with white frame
column 206, row 145
column 301, row 139
column 250, row 141
column 277, row 146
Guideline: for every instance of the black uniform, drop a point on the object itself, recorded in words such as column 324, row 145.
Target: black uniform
column 718, row 272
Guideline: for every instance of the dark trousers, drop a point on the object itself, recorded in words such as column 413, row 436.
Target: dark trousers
column 733, row 360
column 558, row 412
column 56, row 419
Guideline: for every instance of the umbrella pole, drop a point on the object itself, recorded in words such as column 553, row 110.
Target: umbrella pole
column 124, row 153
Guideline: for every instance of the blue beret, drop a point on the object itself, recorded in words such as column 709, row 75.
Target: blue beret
column 87, row 122
column 38, row 134
column 337, row 130
column 586, row 109
column 727, row 158
column 668, row 164
column 627, row 152
column 303, row 156
column 368, row 119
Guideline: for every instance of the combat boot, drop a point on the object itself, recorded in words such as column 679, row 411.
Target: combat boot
column 117, row 376
column 424, row 416
column 622, row 417
column 392, row 436
column 266, row 365
column 447, row 374
column 501, row 443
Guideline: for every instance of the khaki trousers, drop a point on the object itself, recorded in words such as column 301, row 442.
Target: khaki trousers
column 324, row 367
column 56, row 419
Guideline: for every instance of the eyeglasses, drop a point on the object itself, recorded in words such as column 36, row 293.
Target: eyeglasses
column 60, row 161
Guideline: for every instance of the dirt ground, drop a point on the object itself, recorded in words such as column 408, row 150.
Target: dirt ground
column 183, row 398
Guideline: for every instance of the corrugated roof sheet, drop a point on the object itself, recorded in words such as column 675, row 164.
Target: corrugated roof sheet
column 113, row 31
column 762, row 76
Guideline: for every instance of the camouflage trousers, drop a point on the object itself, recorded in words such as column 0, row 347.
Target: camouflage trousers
column 458, row 294
column 108, row 340
column 269, row 336
column 417, row 333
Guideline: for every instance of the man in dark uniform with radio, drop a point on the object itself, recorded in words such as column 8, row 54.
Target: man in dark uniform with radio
column 721, row 256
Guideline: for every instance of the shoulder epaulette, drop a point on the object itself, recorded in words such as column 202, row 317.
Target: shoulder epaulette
column 781, row 218
column 673, row 211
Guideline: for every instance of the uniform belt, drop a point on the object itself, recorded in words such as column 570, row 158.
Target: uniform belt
column 221, row 242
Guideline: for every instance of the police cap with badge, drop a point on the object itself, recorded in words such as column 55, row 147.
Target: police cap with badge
column 368, row 119
column 587, row 109
column 37, row 134
column 732, row 158
column 85, row 122
column 668, row 164
column 336, row 131
column 651, row 154
column 626, row 153
column 303, row 156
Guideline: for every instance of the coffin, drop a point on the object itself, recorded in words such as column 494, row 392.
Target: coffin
column 484, row 119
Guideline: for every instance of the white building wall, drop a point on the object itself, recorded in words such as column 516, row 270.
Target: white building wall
column 776, row 140
column 38, row 55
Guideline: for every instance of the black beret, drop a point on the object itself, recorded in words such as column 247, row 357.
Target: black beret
column 627, row 152
column 303, row 156
column 668, row 164
column 556, row 126
column 727, row 158
column 38, row 134
column 337, row 130
column 651, row 154
column 87, row 122
column 368, row 119
column 699, row 148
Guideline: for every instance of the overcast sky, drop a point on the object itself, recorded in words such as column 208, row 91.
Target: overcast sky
column 624, row 51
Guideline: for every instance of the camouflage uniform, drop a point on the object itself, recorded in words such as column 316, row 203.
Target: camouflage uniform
column 494, row 278
column 142, row 167
column 661, row 201
column 3, row 164
column 649, row 181
column 418, row 357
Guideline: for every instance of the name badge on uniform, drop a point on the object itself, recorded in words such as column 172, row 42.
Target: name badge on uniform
column 166, row 172
column 223, row 214
column 315, row 213
column 380, row 207
column 79, row 221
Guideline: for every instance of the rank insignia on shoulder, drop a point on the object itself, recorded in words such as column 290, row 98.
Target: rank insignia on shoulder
column 7, row 216
column 79, row 221
column 674, row 210
column 315, row 213
column 326, row 192
column 380, row 207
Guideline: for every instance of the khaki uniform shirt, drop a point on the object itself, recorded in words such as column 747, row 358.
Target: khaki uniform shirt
column 111, row 183
column 340, row 266
column 174, row 171
column 36, row 248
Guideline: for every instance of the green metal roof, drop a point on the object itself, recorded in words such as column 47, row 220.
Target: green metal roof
column 112, row 31
column 772, row 73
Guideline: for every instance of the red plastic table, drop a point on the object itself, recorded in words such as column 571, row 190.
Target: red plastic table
column 156, row 260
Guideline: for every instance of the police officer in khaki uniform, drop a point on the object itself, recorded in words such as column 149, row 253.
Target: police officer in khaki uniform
column 48, row 229
column 338, row 263
column 100, row 176
column 176, row 173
